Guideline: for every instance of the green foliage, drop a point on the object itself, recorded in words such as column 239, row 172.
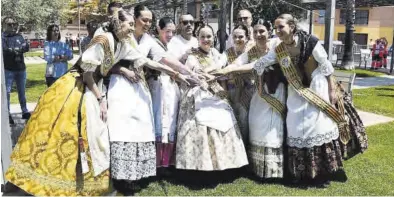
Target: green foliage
column 35, row 15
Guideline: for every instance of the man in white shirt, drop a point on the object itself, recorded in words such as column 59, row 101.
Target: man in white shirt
column 244, row 18
column 180, row 45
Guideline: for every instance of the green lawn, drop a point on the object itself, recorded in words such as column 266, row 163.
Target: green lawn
column 40, row 53
column 35, row 83
column 362, row 73
column 379, row 100
column 34, row 54
column 371, row 173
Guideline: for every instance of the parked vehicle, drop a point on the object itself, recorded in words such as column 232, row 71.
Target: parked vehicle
column 36, row 43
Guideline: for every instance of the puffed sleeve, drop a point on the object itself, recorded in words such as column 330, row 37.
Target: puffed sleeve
column 321, row 57
column 264, row 62
column 192, row 62
column 132, row 54
column 156, row 52
column 92, row 57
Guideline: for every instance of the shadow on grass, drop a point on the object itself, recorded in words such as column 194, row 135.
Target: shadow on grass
column 386, row 95
column 388, row 89
column 30, row 84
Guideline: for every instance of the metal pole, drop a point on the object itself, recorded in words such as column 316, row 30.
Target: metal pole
column 6, row 142
column 310, row 12
column 222, row 25
column 79, row 24
column 329, row 27
column 348, row 58
column 392, row 57
column 231, row 22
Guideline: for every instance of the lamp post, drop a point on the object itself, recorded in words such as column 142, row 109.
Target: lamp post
column 348, row 59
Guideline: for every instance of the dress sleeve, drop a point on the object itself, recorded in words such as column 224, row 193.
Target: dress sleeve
column 192, row 62
column 134, row 55
column 321, row 57
column 157, row 52
column 264, row 62
column 92, row 57
column 47, row 53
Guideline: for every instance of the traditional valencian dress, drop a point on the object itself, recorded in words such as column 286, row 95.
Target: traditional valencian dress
column 64, row 148
column 165, row 97
column 266, row 118
column 131, row 119
column 314, row 127
column 208, row 136
column 240, row 88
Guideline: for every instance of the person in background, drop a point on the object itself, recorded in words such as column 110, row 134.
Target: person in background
column 14, row 45
column 92, row 26
column 56, row 53
column 376, row 59
column 181, row 45
column 244, row 17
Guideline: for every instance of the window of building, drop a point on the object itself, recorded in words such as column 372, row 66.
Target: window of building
column 362, row 17
column 320, row 18
column 83, row 21
column 70, row 21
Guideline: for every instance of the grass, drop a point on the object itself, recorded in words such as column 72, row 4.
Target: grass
column 40, row 53
column 371, row 173
column 379, row 100
column 35, row 83
column 362, row 72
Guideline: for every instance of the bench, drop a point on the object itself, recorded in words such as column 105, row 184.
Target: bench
column 346, row 79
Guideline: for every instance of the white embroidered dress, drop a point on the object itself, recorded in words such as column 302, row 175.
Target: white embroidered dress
column 307, row 126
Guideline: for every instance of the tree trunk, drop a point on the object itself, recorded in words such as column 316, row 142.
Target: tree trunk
column 222, row 25
column 348, row 59
column 184, row 7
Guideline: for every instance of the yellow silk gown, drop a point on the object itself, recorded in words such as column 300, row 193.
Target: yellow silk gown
column 44, row 161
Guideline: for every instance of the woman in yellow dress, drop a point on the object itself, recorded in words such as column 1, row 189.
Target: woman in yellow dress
column 53, row 155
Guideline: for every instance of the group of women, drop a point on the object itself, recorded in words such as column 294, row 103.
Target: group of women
column 267, row 103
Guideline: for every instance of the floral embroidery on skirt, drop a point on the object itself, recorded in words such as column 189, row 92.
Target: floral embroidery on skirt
column 133, row 160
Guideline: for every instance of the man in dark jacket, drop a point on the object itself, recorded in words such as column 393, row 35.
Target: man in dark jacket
column 14, row 45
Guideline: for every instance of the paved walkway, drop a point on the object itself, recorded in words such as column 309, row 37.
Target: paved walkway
column 40, row 60
column 369, row 82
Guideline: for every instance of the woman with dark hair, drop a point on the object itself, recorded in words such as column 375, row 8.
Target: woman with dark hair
column 64, row 148
column 240, row 87
column 165, row 96
column 130, row 116
column 267, row 106
column 56, row 53
column 208, row 136
column 315, row 128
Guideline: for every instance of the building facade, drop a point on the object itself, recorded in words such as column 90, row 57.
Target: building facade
column 370, row 24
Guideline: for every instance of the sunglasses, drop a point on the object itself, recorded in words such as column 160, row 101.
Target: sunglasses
column 243, row 18
column 187, row 22
column 12, row 24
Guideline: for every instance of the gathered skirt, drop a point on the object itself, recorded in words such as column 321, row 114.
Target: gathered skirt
column 45, row 159
column 132, row 161
column 266, row 162
column 203, row 148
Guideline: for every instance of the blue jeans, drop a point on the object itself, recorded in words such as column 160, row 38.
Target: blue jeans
column 20, row 79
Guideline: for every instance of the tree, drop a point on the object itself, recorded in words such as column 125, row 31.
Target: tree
column 35, row 15
column 269, row 9
column 348, row 59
